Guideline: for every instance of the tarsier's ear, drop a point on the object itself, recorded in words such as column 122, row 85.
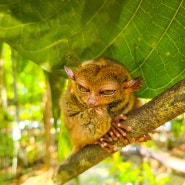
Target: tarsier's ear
column 69, row 72
column 134, row 84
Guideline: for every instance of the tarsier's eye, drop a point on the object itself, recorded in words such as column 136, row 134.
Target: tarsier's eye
column 82, row 89
column 107, row 92
column 125, row 79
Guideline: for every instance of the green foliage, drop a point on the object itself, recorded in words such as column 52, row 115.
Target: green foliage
column 30, row 87
column 2, row 182
column 56, row 86
column 127, row 172
column 47, row 33
column 6, row 145
column 176, row 126
column 30, row 82
column 64, row 145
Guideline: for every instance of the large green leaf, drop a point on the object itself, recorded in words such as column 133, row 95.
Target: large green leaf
column 47, row 31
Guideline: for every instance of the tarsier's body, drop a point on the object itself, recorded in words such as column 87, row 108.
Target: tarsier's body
column 100, row 91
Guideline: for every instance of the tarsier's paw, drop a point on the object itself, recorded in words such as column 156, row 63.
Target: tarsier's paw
column 119, row 130
column 108, row 147
column 105, row 141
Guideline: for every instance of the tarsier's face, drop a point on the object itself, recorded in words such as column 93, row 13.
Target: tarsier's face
column 96, row 85
column 93, row 95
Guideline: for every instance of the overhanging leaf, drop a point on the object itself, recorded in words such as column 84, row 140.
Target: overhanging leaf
column 47, row 31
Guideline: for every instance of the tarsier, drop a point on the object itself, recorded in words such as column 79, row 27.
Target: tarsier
column 98, row 98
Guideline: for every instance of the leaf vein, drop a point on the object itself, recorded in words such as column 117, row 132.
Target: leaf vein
column 123, row 29
column 162, row 36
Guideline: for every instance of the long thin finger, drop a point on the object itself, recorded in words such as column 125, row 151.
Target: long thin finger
column 115, row 131
column 119, row 129
column 124, row 137
column 123, row 140
column 124, row 126
column 119, row 117
column 106, row 146
column 112, row 134
column 107, row 138
column 130, row 139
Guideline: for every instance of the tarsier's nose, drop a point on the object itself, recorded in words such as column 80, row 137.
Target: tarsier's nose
column 92, row 101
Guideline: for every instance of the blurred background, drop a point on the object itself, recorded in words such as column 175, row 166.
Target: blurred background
column 33, row 139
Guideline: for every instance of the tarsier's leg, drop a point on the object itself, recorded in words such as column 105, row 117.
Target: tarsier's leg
column 119, row 131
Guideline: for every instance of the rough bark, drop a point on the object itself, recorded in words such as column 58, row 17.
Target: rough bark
column 161, row 109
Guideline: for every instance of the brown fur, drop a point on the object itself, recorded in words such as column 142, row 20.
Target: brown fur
column 100, row 90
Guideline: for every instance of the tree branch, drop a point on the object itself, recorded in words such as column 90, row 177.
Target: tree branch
column 145, row 119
